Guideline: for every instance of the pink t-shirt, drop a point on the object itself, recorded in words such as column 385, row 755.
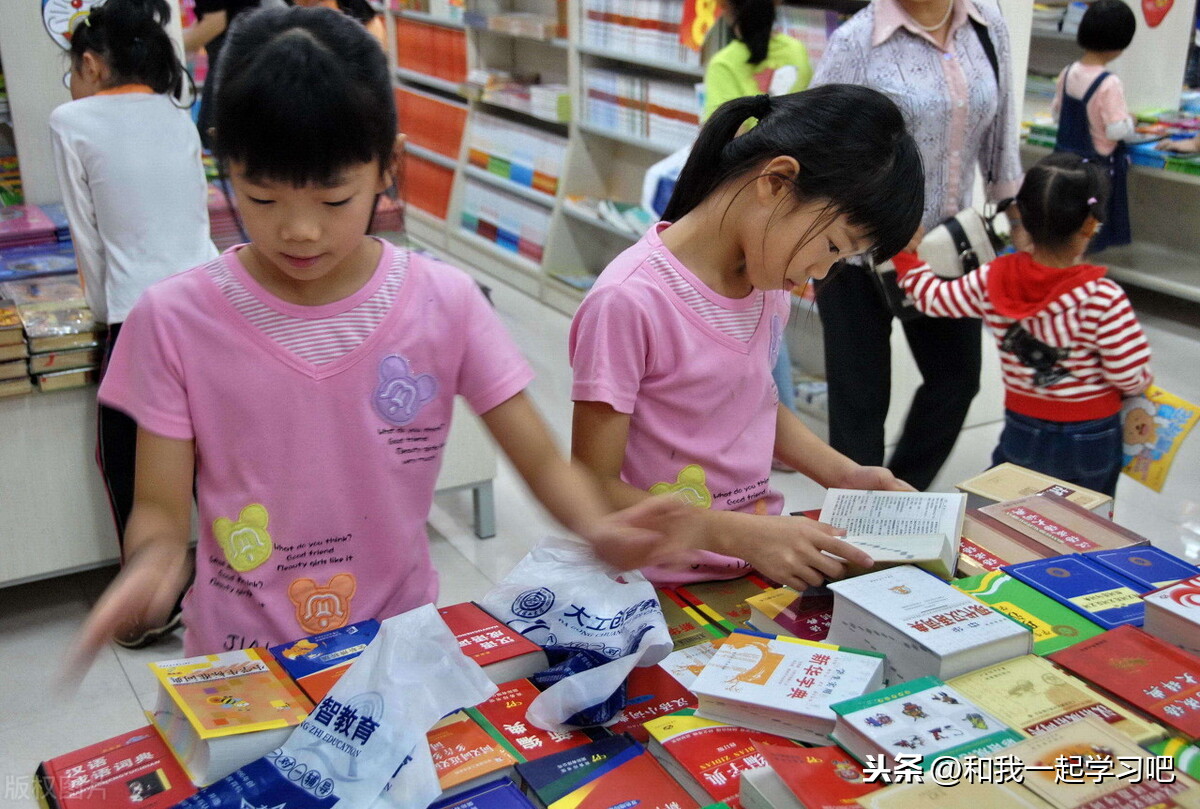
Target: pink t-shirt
column 702, row 404
column 1106, row 107
column 313, row 482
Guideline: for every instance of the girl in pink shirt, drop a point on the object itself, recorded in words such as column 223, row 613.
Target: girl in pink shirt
column 304, row 382
column 673, row 347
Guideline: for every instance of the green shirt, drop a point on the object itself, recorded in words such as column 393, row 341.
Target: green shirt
column 730, row 75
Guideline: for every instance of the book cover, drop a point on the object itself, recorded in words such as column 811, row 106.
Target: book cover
column 897, row 514
column 555, row 775
column 37, row 261
column 641, row 781
column 783, row 611
column 1173, row 614
column 503, row 716
column 650, row 692
column 924, row 717
column 499, row 794
column 686, row 664
column 233, row 692
column 318, row 661
column 1185, row 754
column 826, row 777
column 464, row 752
column 1053, row 625
column 1150, row 674
column 1095, row 592
column 1033, row 697
column 57, row 289
column 966, row 793
column 712, row 754
column 25, row 222
column 933, row 553
column 988, row 544
column 1147, row 565
column 1153, row 427
column 783, row 685
column 489, row 642
column 922, row 624
column 686, row 626
column 56, row 318
column 1060, row 525
column 1007, row 481
column 724, row 602
column 133, row 769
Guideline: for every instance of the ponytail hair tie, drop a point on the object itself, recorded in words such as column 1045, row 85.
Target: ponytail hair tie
column 1092, row 200
column 762, row 106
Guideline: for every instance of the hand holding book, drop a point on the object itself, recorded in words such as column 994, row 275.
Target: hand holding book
column 799, row 552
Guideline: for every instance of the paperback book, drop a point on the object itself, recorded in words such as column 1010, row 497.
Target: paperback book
column 650, row 692
column 503, row 716
column 1099, row 594
column 783, row 611
column 499, row 794
column 1173, row 614
column 686, row 626
column 783, row 685
column 1154, row 426
column 465, row 755
column 723, row 603
column 686, row 664
column 1148, row 566
column 915, row 519
column 1007, row 481
column 1053, row 625
column 554, row 776
column 37, row 261
column 503, row 654
column 923, row 625
column 988, row 545
column 318, row 661
column 636, row 781
column 1060, row 525
column 806, row 778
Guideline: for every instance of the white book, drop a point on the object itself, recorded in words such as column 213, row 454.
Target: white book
column 762, row 788
column 924, row 626
column 896, row 514
column 1173, row 614
column 935, row 553
column 686, row 664
column 783, row 685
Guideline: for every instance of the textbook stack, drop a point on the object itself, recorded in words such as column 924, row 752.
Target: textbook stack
column 519, row 154
column 662, row 112
column 23, row 225
column 509, row 222
column 62, row 339
column 648, row 29
column 14, row 370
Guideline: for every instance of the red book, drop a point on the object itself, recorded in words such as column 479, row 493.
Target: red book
column 504, row 654
column 133, row 769
column 503, row 716
column 640, row 781
column 650, row 692
column 1151, row 674
column 465, row 755
column 827, row 777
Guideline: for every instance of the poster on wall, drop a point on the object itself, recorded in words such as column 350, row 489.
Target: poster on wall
column 1155, row 10
column 1154, row 425
column 61, row 16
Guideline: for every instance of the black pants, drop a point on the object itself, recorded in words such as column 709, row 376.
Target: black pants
column 116, row 449
column 857, row 326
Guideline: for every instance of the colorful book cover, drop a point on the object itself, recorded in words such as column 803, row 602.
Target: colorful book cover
column 650, row 692
column 233, row 692
column 686, row 626
column 1185, row 754
column 24, row 222
column 804, row 615
column 9, row 317
column 134, row 769
column 503, row 716
column 1032, row 696
column 1054, row 626
column 555, row 775
column 1150, row 674
column 1173, row 613
column 686, row 664
column 922, row 717
column 318, row 661
column 57, row 289
column 1147, row 565
column 499, row 794
column 1095, row 592
column 481, row 637
column 1007, row 481
column 641, row 781
column 826, row 777
column 37, row 261
column 463, row 751
column 724, row 602
column 712, row 753
column 1153, row 426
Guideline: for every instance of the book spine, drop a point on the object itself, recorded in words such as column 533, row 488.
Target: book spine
column 702, row 619
column 1026, row 542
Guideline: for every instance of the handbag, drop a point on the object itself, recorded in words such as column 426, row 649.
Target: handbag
column 962, row 243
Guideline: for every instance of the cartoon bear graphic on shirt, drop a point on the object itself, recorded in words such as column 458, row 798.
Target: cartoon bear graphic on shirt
column 401, row 393
column 320, row 608
column 689, row 486
column 245, row 542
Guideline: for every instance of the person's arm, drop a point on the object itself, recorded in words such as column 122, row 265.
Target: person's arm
column 791, row 550
column 1114, row 113
column 205, row 30
column 156, row 563
column 647, row 534
column 940, row 297
column 81, row 212
column 1121, row 343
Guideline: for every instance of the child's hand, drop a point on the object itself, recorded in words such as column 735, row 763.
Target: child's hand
column 876, row 478
column 141, row 595
column 800, row 552
column 656, row 531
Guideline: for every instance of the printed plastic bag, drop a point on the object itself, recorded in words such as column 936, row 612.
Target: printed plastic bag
column 599, row 624
column 369, row 729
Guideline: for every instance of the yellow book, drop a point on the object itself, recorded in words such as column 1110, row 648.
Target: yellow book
column 1033, row 697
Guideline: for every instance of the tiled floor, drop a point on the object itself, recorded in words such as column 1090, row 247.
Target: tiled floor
column 37, row 620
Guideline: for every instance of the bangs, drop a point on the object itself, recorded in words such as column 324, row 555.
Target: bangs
column 888, row 206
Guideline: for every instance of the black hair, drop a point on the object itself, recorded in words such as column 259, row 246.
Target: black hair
column 1057, row 196
column 129, row 36
column 853, row 149
column 1107, row 25
column 301, row 95
column 753, row 22
column 358, row 9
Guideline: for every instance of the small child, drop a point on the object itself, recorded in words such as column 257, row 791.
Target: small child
column 1070, row 344
column 304, row 382
column 1089, row 103
column 128, row 162
column 758, row 60
column 672, row 349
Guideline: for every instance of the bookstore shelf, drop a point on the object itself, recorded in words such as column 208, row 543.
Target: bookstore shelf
column 508, row 186
column 694, row 71
column 515, row 260
column 1032, row 153
column 425, row 80
column 554, row 42
column 632, row 140
column 581, row 214
column 431, row 19
column 431, row 156
column 513, row 108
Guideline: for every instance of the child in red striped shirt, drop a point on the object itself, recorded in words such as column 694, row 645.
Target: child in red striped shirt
column 1070, row 344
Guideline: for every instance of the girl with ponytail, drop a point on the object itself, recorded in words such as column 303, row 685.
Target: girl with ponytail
column 672, row 349
column 128, row 161
column 758, row 60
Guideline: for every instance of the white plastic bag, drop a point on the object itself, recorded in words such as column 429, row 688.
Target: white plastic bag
column 561, row 594
column 659, row 180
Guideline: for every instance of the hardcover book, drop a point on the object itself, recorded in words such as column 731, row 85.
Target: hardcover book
column 503, row 654
column 15, row 387
column 1147, row 565
column 14, row 369
column 14, row 351
column 503, row 716
column 908, row 518
column 923, row 625
column 686, row 626
column 650, row 691
column 1033, row 697
column 465, row 755
column 1173, row 614
column 988, row 544
column 1060, row 525
column 1008, row 481
column 553, row 776
column 815, row 777
column 783, row 685
column 62, row 380
column 1054, row 626
column 218, row 712
column 1150, row 674
column 724, row 602
column 639, row 781
column 499, row 794
column 783, row 611
column 705, row 756
column 923, row 717
column 318, row 661
column 133, row 769
column 1094, row 591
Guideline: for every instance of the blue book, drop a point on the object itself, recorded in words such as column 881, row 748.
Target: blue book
column 37, row 261
column 556, row 775
column 1096, row 592
column 1147, row 565
column 501, row 794
column 319, row 661
column 58, row 215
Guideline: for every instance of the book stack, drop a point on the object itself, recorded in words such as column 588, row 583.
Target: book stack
column 14, row 370
column 432, row 50
column 58, row 215
column 318, row 661
column 22, row 225
column 1173, row 614
column 648, row 29
column 1007, row 481
column 628, row 104
column 465, row 755
column 784, row 611
column 519, row 154
column 516, row 225
column 61, row 336
column 37, row 261
column 1096, row 592
column 502, row 653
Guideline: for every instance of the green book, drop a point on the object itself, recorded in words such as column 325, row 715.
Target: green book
column 1186, row 755
column 1054, row 626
